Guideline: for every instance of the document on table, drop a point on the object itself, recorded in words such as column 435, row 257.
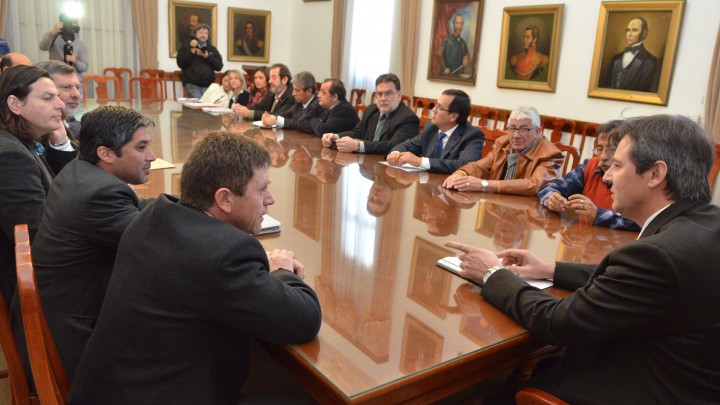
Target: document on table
column 199, row 106
column 452, row 264
column 161, row 164
column 406, row 167
column 269, row 225
column 217, row 110
column 261, row 125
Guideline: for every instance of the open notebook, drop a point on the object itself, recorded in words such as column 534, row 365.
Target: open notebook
column 269, row 225
column 452, row 264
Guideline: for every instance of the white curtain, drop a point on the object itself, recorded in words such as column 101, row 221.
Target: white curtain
column 106, row 28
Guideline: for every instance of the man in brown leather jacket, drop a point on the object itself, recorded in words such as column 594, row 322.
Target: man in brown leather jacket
column 520, row 162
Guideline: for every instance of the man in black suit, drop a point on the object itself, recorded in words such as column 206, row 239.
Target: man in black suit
column 642, row 327
column 278, row 101
column 307, row 105
column 88, row 207
column 634, row 68
column 192, row 285
column 447, row 142
column 384, row 124
column 338, row 114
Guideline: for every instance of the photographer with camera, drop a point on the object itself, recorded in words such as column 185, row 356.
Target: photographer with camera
column 198, row 61
column 64, row 45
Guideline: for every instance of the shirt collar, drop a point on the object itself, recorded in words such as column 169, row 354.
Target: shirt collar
column 650, row 219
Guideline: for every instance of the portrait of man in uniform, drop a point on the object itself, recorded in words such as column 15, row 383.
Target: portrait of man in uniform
column 455, row 40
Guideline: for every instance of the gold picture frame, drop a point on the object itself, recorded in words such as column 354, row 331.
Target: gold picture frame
column 248, row 35
column 530, row 47
column 644, row 77
column 183, row 15
column 429, row 285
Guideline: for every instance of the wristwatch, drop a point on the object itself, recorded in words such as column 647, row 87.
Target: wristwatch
column 484, row 184
column 489, row 272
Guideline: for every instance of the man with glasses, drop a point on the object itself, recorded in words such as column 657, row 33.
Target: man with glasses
column 385, row 124
column 583, row 193
column 520, row 162
column 447, row 142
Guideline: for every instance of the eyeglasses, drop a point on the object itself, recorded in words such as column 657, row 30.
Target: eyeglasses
column 438, row 108
column 521, row 130
column 600, row 149
column 388, row 93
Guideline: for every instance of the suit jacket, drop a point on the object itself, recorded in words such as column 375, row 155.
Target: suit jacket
column 241, row 98
column 644, row 329
column 24, row 181
column 283, row 106
column 298, row 113
column 341, row 117
column 86, row 213
column 400, row 125
column 186, row 294
column 465, row 145
column 534, row 169
column 642, row 75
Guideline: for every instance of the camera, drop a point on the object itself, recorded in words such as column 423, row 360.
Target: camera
column 70, row 25
column 202, row 47
column 67, row 50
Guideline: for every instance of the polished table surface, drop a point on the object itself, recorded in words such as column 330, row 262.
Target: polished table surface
column 396, row 327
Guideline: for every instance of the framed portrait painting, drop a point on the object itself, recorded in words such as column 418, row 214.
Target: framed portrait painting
column 183, row 16
column 455, row 41
column 635, row 50
column 248, row 35
column 530, row 47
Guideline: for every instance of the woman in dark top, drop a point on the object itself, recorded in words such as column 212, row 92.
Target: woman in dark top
column 259, row 87
column 238, row 89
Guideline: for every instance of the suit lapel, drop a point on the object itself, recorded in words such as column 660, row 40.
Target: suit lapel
column 675, row 209
column 452, row 141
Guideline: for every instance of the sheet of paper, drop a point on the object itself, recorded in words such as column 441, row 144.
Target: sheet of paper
column 161, row 164
column 269, row 225
column 406, row 167
column 261, row 125
column 198, row 106
column 452, row 264
column 218, row 110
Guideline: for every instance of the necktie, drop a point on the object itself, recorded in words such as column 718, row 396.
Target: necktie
column 272, row 109
column 512, row 159
column 439, row 146
column 39, row 149
column 379, row 127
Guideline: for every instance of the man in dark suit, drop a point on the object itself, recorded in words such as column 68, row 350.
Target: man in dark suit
column 641, row 327
column 307, row 105
column 384, row 124
column 279, row 101
column 88, row 207
column 447, row 142
column 634, row 68
column 338, row 114
column 192, row 285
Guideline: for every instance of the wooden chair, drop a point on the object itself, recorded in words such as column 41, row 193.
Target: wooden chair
column 483, row 114
column 422, row 106
column 101, row 88
column 534, row 396
column 159, row 73
column 47, row 370
column 491, row 134
column 151, row 88
column 15, row 373
column 572, row 157
column 557, row 127
column 120, row 73
column 356, row 96
column 218, row 77
column 360, row 109
column 176, row 77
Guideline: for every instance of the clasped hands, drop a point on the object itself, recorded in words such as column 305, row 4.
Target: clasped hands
column 343, row 144
column 285, row 259
column 461, row 182
column 578, row 204
column 396, row 158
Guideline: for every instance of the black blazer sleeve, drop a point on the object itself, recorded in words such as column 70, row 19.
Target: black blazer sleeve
column 340, row 118
column 458, row 152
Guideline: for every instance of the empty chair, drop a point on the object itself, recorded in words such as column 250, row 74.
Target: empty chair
column 557, row 126
column 151, row 88
column 360, row 109
column 483, row 114
column 124, row 74
column 356, row 96
column 176, row 77
column 572, row 157
column 101, row 90
column 159, row 73
column 47, row 370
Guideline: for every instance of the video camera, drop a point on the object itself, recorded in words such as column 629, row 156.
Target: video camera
column 70, row 25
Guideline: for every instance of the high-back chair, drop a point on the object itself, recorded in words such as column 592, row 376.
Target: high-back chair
column 120, row 73
column 47, row 370
column 150, row 88
column 15, row 373
column 356, row 96
column 572, row 157
column 490, row 136
column 102, row 92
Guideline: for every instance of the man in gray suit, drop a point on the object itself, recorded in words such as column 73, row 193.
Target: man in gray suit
column 88, row 207
column 192, row 285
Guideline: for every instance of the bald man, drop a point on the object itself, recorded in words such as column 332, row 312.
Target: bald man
column 13, row 59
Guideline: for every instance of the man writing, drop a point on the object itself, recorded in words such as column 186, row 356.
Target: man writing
column 384, row 124
column 520, row 162
column 279, row 101
column 447, row 142
column 338, row 114
column 199, row 60
column 306, row 106
column 639, row 328
column 583, row 193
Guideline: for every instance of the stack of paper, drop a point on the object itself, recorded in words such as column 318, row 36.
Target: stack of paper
column 269, row 225
column 261, row 125
column 452, row 264
column 217, row 110
column 406, row 167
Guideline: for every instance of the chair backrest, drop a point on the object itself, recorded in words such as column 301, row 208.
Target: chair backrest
column 557, row 125
column 483, row 114
column 159, row 73
column 422, row 106
column 176, row 78
column 151, row 88
column 572, row 157
column 360, row 109
column 101, row 88
column 47, row 370
column 534, row 396
column 491, row 134
column 356, row 96
column 120, row 73
column 19, row 391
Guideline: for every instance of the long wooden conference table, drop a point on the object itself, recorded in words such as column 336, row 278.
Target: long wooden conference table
column 396, row 328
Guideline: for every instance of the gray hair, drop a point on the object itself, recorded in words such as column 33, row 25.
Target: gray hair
column 306, row 81
column 56, row 67
column 526, row 113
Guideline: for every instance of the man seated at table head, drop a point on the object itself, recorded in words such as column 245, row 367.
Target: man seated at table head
column 639, row 328
column 447, row 142
column 192, row 285
column 385, row 124
column 338, row 114
column 306, row 103
column 278, row 101
column 519, row 163
column 87, row 209
column 13, row 59
column 582, row 192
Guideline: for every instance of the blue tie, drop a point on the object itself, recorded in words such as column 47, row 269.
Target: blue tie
column 39, row 149
column 439, row 146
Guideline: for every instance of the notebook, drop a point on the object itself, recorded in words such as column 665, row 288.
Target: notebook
column 269, row 225
column 452, row 264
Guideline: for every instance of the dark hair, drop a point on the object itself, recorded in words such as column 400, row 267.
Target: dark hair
column 645, row 28
column 6, row 61
column 253, row 89
column 220, row 160
column 200, row 26
column 459, row 105
column 535, row 32
column 685, row 147
column 388, row 78
column 284, row 72
column 337, row 87
column 110, row 126
column 610, row 129
column 16, row 81
column 55, row 67
column 306, row 81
